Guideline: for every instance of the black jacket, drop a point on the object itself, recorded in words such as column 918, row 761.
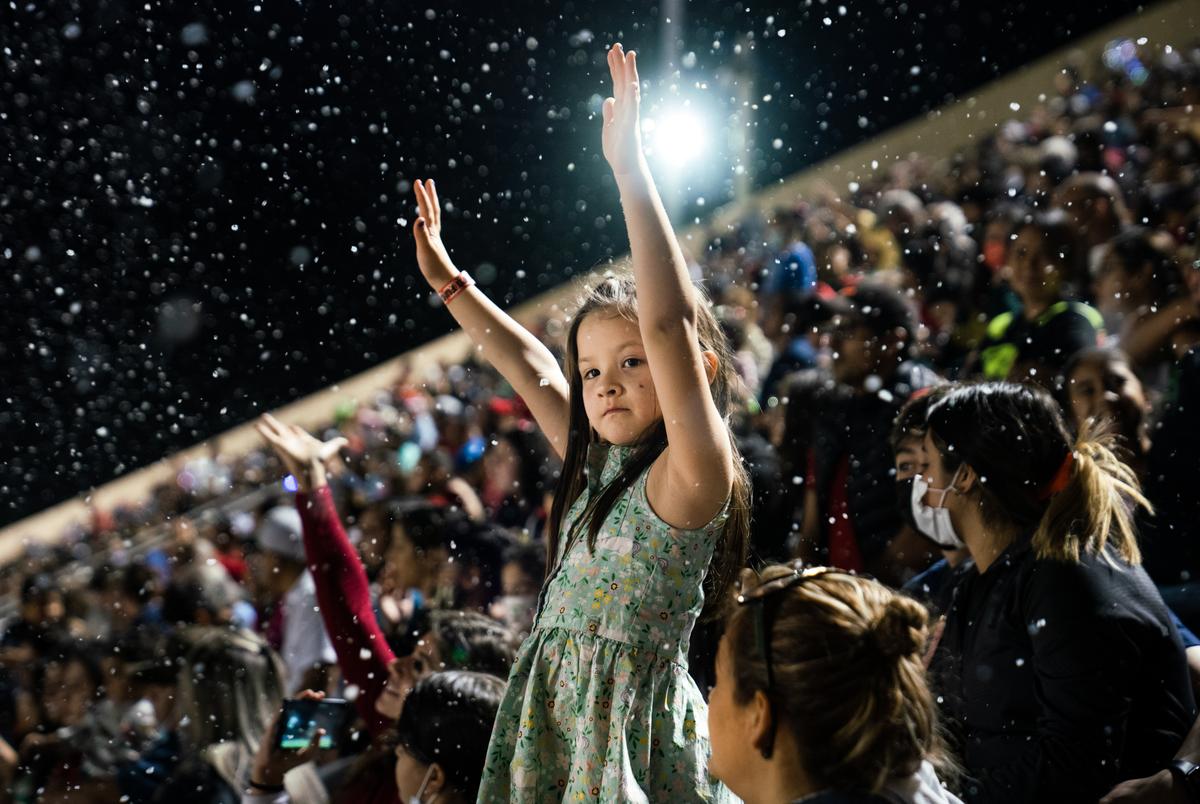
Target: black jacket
column 1060, row 679
column 1171, row 536
column 857, row 427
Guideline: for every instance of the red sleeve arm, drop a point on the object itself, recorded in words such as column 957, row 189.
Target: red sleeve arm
column 344, row 596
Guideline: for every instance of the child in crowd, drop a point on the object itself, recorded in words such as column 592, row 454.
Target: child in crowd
column 651, row 507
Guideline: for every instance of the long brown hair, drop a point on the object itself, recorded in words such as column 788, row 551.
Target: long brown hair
column 616, row 295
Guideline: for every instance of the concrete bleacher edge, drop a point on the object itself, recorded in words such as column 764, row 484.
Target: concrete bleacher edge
column 938, row 133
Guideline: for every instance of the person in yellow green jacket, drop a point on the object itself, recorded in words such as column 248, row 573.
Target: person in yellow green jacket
column 1035, row 341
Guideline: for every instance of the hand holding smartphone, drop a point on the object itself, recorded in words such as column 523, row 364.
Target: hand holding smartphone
column 303, row 717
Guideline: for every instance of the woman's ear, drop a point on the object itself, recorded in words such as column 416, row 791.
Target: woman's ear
column 968, row 481
column 762, row 725
column 711, row 364
column 436, row 784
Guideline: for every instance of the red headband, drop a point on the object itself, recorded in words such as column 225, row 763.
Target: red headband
column 1060, row 479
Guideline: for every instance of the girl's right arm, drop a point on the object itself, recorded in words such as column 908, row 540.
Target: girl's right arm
column 522, row 359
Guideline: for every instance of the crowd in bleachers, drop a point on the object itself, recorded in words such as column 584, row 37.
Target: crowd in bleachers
column 151, row 649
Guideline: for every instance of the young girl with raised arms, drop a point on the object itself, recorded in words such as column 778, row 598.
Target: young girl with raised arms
column 650, row 515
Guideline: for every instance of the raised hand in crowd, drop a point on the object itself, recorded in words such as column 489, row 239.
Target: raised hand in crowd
column 303, row 455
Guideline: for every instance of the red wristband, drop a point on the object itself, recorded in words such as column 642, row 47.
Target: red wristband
column 451, row 290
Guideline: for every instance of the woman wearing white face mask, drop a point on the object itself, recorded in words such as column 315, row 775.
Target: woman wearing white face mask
column 1061, row 670
column 934, row 585
column 443, row 735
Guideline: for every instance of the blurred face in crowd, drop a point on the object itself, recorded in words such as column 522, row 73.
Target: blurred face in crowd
column 429, row 475
column 859, row 352
column 163, row 698
column 273, row 579
column 44, row 608
column 403, row 674
column 408, row 566
column 1106, row 389
column 373, row 543
column 517, row 603
column 910, row 456
column 1032, row 275
column 68, row 691
column 501, row 468
column 995, row 244
column 118, row 685
column 515, row 581
column 618, row 391
column 1091, row 214
column 1119, row 287
column 852, row 344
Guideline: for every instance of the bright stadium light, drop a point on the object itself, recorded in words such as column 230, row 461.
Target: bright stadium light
column 676, row 136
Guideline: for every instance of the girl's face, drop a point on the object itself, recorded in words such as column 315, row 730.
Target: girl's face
column 403, row 674
column 618, row 392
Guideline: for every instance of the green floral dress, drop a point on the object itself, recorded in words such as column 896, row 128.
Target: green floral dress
column 600, row 705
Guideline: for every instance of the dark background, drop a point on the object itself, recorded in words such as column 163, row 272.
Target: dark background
column 200, row 207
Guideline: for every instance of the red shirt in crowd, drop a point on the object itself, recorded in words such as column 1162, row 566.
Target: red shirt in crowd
column 344, row 595
column 839, row 530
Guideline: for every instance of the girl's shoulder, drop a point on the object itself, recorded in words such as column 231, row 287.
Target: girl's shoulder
column 651, row 487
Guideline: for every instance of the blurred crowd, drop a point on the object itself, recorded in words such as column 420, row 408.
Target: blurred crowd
column 148, row 652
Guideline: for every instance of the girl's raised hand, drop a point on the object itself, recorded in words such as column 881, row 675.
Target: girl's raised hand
column 432, row 257
column 621, row 136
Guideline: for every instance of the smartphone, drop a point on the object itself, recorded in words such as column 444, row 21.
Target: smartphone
column 302, row 717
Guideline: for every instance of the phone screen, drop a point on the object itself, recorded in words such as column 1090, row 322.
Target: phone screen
column 301, row 719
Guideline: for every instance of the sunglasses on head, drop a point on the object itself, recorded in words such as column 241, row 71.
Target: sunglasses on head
column 759, row 596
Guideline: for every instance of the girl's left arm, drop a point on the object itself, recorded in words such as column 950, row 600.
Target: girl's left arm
column 699, row 459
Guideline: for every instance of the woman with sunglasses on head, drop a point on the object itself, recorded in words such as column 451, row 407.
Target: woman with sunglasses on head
column 821, row 694
column 1063, row 672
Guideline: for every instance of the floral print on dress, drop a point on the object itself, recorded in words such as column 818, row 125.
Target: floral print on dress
column 600, row 705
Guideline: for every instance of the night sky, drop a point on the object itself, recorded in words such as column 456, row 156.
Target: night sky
column 204, row 211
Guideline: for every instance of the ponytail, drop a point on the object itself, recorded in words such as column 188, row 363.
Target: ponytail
column 1095, row 507
column 1074, row 495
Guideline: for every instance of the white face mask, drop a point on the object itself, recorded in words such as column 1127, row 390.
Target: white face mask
column 416, row 798
column 935, row 522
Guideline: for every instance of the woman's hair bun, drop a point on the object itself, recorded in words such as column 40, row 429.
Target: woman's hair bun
column 899, row 630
